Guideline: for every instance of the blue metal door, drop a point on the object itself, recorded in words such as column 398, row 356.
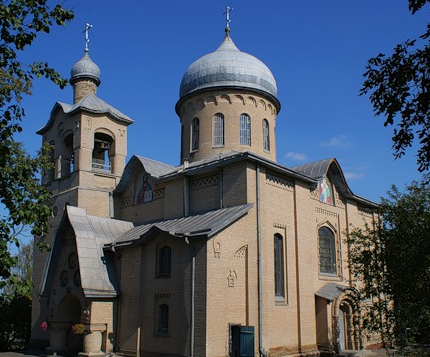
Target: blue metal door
column 246, row 348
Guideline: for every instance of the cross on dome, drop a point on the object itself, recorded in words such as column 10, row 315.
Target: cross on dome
column 227, row 16
column 87, row 40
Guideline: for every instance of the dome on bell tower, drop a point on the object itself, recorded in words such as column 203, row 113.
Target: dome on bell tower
column 228, row 67
column 85, row 68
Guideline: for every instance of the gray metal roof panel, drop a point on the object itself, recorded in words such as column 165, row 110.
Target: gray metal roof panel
column 90, row 103
column 316, row 169
column 152, row 167
column 85, row 68
column 227, row 66
column 92, row 233
column 331, row 291
column 203, row 224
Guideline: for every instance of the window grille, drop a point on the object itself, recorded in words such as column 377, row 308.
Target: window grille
column 266, row 137
column 218, row 130
column 279, row 266
column 327, row 248
column 245, row 129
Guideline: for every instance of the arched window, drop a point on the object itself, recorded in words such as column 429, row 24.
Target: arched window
column 163, row 319
column 164, row 262
column 327, row 250
column 195, row 133
column 102, row 152
column 68, row 164
column 245, row 129
column 279, row 266
column 266, row 137
column 218, row 130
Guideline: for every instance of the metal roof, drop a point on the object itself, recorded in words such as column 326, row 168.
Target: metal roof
column 228, row 67
column 205, row 224
column 331, row 291
column 316, row 169
column 85, row 68
column 152, row 167
column 97, row 271
column 90, row 103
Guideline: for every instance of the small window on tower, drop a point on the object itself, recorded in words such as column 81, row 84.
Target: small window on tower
column 195, row 140
column 218, row 130
column 245, row 129
column 266, row 136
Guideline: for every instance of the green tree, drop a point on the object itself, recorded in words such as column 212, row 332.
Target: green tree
column 15, row 303
column 24, row 201
column 399, row 89
column 390, row 260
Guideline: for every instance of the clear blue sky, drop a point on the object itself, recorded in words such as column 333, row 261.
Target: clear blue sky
column 316, row 49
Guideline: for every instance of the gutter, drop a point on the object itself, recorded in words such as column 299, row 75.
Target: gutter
column 193, row 294
column 260, row 273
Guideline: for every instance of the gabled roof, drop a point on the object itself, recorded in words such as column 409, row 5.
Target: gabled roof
column 315, row 169
column 166, row 172
column 98, row 277
column 199, row 225
column 152, row 167
column 91, row 104
column 318, row 169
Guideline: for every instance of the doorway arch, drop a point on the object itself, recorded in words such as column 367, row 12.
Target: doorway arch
column 69, row 311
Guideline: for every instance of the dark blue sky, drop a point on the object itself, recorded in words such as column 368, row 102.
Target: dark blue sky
column 316, row 49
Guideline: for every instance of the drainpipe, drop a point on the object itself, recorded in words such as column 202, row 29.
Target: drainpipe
column 296, row 238
column 111, row 206
column 192, row 302
column 260, row 274
column 221, row 188
column 186, row 197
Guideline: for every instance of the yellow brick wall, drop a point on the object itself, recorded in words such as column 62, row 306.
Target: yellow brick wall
column 230, row 103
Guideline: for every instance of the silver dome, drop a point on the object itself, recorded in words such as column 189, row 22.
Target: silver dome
column 85, row 68
column 228, row 67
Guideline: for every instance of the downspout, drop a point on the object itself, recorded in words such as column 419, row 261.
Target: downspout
column 296, row 238
column 348, row 243
column 192, row 302
column 221, row 188
column 111, row 206
column 186, row 197
column 260, row 274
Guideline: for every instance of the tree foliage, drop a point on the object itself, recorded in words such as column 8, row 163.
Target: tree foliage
column 390, row 260
column 399, row 90
column 24, row 201
column 15, row 323
column 15, row 303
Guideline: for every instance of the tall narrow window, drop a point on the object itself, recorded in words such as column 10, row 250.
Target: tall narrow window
column 266, row 137
column 195, row 140
column 245, row 129
column 279, row 266
column 164, row 262
column 218, row 130
column 327, row 248
column 163, row 319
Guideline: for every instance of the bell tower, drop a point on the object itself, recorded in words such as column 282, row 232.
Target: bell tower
column 89, row 139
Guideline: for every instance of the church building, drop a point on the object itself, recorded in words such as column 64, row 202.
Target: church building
column 227, row 254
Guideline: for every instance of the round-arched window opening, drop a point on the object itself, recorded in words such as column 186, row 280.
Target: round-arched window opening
column 77, row 278
column 72, row 260
column 64, row 278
